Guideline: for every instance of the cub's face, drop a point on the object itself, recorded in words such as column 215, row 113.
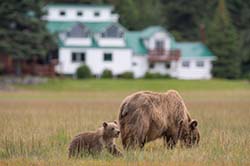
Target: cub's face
column 111, row 129
column 189, row 134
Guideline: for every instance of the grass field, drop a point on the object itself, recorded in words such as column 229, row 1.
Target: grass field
column 38, row 122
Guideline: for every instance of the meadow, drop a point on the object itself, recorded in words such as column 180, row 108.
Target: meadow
column 37, row 122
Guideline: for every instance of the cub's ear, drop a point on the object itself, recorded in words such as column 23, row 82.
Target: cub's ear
column 193, row 124
column 105, row 124
column 115, row 122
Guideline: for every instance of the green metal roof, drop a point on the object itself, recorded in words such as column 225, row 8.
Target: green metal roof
column 148, row 32
column 65, row 5
column 134, row 41
column 194, row 50
column 60, row 26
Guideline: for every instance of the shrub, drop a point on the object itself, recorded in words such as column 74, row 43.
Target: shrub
column 1, row 68
column 83, row 72
column 107, row 74
column 127, row 75
column 149, row 75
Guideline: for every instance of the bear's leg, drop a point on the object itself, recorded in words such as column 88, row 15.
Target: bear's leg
column 169, row 141
column 115, row 151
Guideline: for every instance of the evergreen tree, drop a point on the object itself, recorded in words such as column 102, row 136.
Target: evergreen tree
column 23, row 33
column 224, row 42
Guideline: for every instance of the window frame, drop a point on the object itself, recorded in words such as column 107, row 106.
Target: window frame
column 151, row 65
column 168, row 65
column 199, row 62
column 105, row 59
column 118, row 35
column 62, row 13
column 79, row 13
column 162, row 43
column 97, row 13
column 78, row 57
column 185, row 65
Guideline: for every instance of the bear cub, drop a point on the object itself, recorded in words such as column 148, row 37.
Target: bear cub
column 95, row 142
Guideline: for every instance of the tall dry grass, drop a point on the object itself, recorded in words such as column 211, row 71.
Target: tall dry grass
column 37, row 126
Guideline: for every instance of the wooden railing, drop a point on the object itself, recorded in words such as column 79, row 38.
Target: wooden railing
column 163, row 55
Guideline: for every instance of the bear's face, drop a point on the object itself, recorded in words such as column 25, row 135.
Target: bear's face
column 189, row 134
column 111, row 129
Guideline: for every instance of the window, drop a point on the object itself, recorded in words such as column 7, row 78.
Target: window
column 113, row 32
column 151, row 65
column 62, row 13
column 199, row 63
column 134, row 64
column 107, row 57
column 159, row 44
column 79, row 31
column 79, row 13
column 168, row 65
column 97, row 14
column 78, row 57
column 185, row 64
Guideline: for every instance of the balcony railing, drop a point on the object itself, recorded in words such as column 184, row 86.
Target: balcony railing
column 163, row 55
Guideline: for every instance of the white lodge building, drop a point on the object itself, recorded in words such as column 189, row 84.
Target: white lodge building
column 91, row 35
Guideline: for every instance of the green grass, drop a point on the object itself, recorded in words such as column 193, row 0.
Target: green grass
column 38, row 122
column 139, row 84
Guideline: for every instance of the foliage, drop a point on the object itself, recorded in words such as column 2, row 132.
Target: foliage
column 127, row 75
column 149, row 75
column 107, row 74
column 223, row 41
column 83, row 72
column 23, row 33
column 1, row 68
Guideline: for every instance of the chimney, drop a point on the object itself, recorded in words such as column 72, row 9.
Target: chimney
column 202, row 33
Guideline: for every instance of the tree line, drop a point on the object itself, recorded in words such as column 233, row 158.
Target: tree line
column 226, row 25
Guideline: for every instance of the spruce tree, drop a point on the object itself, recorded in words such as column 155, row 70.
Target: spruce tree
column 224, row 42
column 23, row 33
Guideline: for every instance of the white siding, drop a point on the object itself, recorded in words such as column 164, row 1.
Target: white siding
column 77, row 42
column 110, row 42
column 121, row 60
column 193, row 71
column 53, row 14
column 139, row 65
column 160, row 67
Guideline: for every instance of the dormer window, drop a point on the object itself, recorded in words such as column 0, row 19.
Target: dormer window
column 79, row 13
column 97, row 14
column 79, row 31
column 62, row 13
column 113, row 32
column 159, row 45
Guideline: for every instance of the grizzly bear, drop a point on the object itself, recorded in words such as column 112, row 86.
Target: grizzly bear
column 95, row 142
column 145, row 116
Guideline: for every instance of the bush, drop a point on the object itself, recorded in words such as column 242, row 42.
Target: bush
column 127, row 75
column 149, row 75
column 107, row 74
column 83, row 72
column 1, row 68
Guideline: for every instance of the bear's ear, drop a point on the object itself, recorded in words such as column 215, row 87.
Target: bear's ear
column 115, row 122
column 105, row 124
column 193, row 124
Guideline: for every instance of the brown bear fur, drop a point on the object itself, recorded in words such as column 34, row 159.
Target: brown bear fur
column 95, row 142
column 145, row 116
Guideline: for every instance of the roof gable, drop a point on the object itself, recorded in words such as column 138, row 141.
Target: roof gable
column 135, row 42
column 148, row 32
